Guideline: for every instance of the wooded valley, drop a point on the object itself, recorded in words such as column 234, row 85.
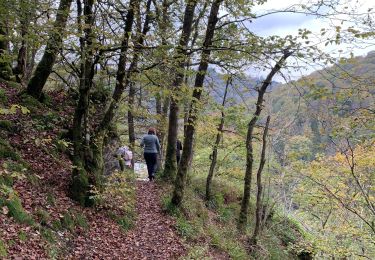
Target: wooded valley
column 277, row 131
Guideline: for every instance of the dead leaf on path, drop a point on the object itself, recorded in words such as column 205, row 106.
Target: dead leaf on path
column 5, row 210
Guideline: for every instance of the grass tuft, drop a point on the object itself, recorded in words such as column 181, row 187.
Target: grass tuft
column 3, row 249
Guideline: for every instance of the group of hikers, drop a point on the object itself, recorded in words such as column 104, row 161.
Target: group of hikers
column 151, row 150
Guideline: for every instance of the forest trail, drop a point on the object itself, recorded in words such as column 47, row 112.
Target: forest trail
column 153, row 236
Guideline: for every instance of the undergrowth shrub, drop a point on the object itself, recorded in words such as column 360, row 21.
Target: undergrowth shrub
column 7, row 151
column 22, row 236
column 6, row 125
column 67, row 221
column 118, row 198
column 15, row 209
column 197, row 252
column 31, row 103
column 43, row 216
column 3, row 97
column 9, row 200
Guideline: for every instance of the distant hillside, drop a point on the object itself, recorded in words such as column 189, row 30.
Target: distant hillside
column 242, row 87
column 314, row 106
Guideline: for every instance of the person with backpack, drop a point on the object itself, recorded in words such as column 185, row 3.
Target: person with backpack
column 125, row 156
column 151, row 148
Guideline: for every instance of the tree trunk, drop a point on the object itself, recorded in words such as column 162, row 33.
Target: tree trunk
column 259, row 205
column 25, row 17
column 89, row 160
column 242, row 221
column 44, row 68
column 121, row 70
column 133, row 69
column 81, row 144
column 213, row 156
column 5, row 64
column 178, row 192
column 170, row 165
column 188, row 63
column 162, row 106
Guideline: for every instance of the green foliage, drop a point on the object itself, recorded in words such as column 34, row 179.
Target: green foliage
column 3, row 249
column 197, row 252
column 56, row 225
column 299, row 148
column 6, row 125
column 51, row 199
column 13, row 109
column 5, row 69
column 81, row 220
column 43, row 216
column 22, row 236
column 80, row 186
column 67, row 221
column 169, row 207
column 48, row 235
column 9, row 199
column 118, row 197
column 286, row 230
column 126, row 222
column 70, row 220
column 7, row 151
column 62, row 145
column 14, row 207
column 184, row 228
column 45, row 121
column 3, row 97
column 12, row 84
column 100, row 94
column 31, row 103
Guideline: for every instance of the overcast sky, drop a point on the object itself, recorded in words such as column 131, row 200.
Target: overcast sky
column 288, row 23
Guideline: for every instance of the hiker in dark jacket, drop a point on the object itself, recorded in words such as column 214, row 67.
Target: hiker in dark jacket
column 151, row 148
column 178, row 151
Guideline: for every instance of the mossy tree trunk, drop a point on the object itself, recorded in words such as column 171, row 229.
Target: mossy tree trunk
column 88, row 156
column 82, row 157
column 186, row 157
column 44, row 67
column 170, row 165
column 89, row 153
column 244, row 212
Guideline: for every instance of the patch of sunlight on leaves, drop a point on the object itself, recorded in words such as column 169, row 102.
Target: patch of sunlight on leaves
column 13, row 109
column 197, row 252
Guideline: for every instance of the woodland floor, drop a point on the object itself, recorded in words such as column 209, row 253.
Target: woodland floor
column 43, row 194
column 153, row 236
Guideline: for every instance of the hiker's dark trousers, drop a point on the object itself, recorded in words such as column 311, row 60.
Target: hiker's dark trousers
column 151, row 161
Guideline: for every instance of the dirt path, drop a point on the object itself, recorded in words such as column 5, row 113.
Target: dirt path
column 153, row 236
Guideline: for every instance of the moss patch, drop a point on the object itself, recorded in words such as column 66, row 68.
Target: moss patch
column 7, row 152
column 6, row 125
column 80, row 186
column 31, row 103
